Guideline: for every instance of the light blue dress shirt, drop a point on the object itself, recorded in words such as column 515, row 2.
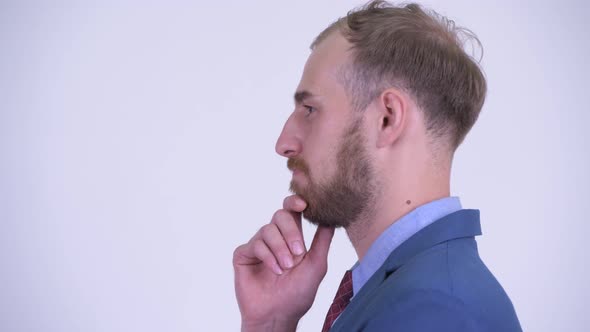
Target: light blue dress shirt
column 397, row 233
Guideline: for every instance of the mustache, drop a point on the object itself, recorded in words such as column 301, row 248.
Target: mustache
column 297, row 164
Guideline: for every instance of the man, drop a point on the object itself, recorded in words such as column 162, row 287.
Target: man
column 386, row 97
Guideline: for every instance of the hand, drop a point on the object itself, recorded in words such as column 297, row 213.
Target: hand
column 276, row 280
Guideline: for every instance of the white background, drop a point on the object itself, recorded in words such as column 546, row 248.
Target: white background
column 137, row 151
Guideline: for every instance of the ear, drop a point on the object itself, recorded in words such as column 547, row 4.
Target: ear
column 392, row 110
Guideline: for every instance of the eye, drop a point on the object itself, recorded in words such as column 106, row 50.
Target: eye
column 309, row 109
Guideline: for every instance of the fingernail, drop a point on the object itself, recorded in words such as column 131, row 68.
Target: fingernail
column 277, row 269
column 297, row 248
column 288, row 262
column 301, row 204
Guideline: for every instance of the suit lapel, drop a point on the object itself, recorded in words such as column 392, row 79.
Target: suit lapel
column 463, row 223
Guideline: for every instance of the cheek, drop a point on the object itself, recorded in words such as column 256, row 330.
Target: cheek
column 322, row 145
column 323, row 164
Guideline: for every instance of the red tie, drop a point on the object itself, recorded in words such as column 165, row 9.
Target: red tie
column 341, row 300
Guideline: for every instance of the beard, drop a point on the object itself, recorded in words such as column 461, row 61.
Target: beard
column 348, row 194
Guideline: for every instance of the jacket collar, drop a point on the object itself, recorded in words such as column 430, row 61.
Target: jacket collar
column 460, row 224
column 463, row 223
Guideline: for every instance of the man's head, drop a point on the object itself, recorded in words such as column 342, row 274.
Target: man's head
column 385, row 89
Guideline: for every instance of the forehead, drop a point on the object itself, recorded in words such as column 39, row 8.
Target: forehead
column 320, row 73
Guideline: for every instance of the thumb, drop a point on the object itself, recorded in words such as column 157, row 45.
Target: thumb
column 320, row 245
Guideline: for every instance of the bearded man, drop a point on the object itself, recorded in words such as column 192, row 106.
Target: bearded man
column 386, row 97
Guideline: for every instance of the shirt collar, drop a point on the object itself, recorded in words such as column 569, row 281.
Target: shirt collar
column 397, row 233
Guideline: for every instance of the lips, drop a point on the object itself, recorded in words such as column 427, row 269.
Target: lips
column 297, row 164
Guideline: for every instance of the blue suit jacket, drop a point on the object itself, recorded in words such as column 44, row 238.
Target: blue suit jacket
column 434, row 281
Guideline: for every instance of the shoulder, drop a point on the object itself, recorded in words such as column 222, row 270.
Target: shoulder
column 442, row 267
column 445, row 288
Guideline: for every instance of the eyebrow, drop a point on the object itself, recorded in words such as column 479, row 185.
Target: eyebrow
column 301, row 96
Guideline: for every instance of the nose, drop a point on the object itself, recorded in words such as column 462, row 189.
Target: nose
column 289, row 144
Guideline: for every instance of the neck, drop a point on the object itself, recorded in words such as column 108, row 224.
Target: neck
column 394, row 202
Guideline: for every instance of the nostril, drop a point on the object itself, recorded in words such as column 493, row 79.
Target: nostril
column 290, row 153
column 287, row 147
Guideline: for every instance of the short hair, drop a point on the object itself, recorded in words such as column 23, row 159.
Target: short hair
column 420, row 52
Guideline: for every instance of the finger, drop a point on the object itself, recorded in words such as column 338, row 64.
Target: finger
column 263, row 253
column 275, row 241
column 294, row 203
column 289, row 224
column 244, row 255
column 321, row 244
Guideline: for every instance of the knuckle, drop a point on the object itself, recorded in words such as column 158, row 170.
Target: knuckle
column 267, row 231
column 289, row 228
column 237, row 253
column 259, row 248
column 280, row 216
column 238, row 250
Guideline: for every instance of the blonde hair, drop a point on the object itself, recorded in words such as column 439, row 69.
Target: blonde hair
column 420, row 51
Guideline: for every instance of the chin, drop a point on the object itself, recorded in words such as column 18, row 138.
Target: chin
column 296, row 189
column 319, row 220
